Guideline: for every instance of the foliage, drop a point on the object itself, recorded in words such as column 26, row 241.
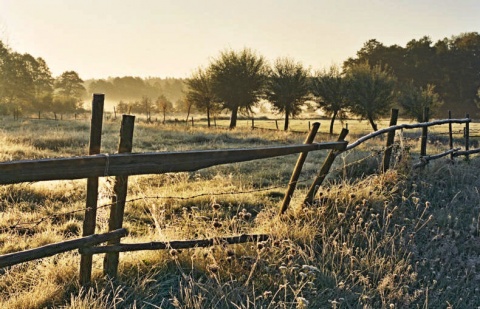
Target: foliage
column 163, row 105
column 330, row 90
column 287, row 87
column 200, row 93
column 130, row 88
column 451, row 64
column 238, row 80
column 145, row 106
column 70, row 90
column 414, row 100
column 370, row 92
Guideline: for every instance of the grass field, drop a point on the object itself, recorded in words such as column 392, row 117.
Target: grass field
column 403, row 239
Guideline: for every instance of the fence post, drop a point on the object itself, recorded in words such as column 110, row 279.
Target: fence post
column 253, row 123
column 92, row 186
column 450, row 135
column 192, row 121
column 308, row 125
column 390, row 138
column 111, row 260
column 467, row 137
column 292, row 184
column 276, row 123
column 324, row 170
column 423, row 149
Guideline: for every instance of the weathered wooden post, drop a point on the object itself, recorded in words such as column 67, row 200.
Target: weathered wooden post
column 253, row 123
column 450, row 135
column 423, row 148
column 110, row 262
column 467, row 137
column 390, row 138
column 292, row 184
column 192, row 122
column 92, row 186
column 324, row 170
column 276, row 123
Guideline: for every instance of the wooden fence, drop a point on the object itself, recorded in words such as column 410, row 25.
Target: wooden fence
column 124, row 164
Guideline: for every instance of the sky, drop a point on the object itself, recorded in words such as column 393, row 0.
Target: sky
column 172, row 38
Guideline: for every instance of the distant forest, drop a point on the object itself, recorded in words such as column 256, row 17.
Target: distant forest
column 451, row 65
column 131, row 89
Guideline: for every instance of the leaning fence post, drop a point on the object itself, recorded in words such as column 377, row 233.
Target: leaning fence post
column 390, row 138
column 111, row 260
column 276, row 123
column 324, row 170
column 467, row 137
column 298, row 169
column 92, row 186
column 450, row 135
column 423, row 149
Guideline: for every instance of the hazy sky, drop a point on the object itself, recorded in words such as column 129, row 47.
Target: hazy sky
column 101, row 38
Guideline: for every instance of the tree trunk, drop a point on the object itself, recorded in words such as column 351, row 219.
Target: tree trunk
column 332, row 122
column 208, row 117
column 373, row 124
column 285, row 127
column 188, row 112
column 233, row 118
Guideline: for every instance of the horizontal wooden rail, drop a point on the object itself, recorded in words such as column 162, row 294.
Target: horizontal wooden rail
column 178, row 244
column 405, row 126
column 466, row 152
column 49, row 250
column 424, row 160
column 142, row 163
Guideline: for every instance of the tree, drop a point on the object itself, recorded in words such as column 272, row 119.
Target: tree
column 42, row 83
column 238, row 80
column 17, row 84
column 164, row 106
column 200, row 93
column 370, row 92
column 124, row 107
column 287, row 87
column 329, row 89
column 145, row 106
column 415, row 99
column 70, row 90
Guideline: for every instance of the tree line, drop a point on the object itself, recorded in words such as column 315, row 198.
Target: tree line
column 441, row 76
column 27, row 85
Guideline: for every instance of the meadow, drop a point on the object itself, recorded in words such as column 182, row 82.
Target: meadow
column 401, row 239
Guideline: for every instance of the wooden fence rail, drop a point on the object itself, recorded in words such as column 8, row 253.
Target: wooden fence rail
column 177, row 244
column 52, row 249
column 142, row 163
column 405, row 126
